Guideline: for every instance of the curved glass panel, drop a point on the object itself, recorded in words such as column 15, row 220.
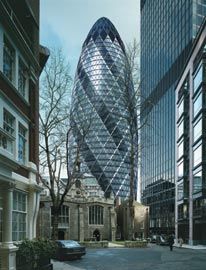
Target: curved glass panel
column 98, row 102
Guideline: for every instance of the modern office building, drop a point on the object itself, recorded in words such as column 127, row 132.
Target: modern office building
column 191, row 146
column 98, row 102
column 168, row 29
column 21, row 61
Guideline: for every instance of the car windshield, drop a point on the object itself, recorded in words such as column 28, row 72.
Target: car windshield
column 70, row 244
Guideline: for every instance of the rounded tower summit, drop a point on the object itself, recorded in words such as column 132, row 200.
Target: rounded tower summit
column 99, row 111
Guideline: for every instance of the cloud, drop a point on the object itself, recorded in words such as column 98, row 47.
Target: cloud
column 66, row 23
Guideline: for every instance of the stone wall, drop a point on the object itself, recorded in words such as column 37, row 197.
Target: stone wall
column 78, row 227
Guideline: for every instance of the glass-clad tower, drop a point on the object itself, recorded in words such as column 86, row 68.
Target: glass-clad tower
column 99, row 111
column 168, row 28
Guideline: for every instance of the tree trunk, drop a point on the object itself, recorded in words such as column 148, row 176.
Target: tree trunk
column 131, row 197
column 55, row 222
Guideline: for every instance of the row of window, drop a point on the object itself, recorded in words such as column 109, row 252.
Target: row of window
column 96, row 215
column 183, row 142
column 19, row 216
column 14, row 68
column 8, row 136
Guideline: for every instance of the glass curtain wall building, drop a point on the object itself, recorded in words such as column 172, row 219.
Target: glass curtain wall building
column 168, row 28
column 191, row 146
column 99, row 111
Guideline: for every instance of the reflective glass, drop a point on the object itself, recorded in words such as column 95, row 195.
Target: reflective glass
column 180, row 150
column 181, row 129
column 180, row 191
column 198, row 78
column 197, row 182
column 180, row 169
column 197, row 155
column 197, row 130
column 98, row 100
column 181, row 108
column 197, row 105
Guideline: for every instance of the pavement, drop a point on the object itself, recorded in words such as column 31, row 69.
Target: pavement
column 198, row 247
column 153, row 257
column 114, row 245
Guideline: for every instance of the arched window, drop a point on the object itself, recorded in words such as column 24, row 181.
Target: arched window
column 96, row 214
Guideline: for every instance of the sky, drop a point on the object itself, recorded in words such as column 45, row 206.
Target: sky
column 66, row 23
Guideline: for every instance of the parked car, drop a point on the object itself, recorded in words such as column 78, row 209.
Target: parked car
column 69, row 249
column 153, row 239
column 161, row 240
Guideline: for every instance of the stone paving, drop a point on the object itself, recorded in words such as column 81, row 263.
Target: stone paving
column 152, row 258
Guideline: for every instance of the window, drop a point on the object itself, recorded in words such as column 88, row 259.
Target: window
column 197, row 155
column 180, row 150
column 8, row 122
column 197, row 105
column 19, row 216
column 197, row 130
column 181, row 108
column 6, row 139
column 180, row 129
column 22, row 78
column 197, row 182
column 64, row 215
column 180, row 169
column 22, row 144
column 96, row 215
column 180, row 192
column 8, row 59
column 198, row 78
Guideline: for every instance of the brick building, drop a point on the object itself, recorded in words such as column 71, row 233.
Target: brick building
column 21, row 62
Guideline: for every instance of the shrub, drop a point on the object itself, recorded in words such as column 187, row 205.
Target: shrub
column 35, row 253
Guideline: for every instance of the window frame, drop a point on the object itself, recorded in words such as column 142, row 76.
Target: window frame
column 195, row 113
column 195, row 173
column 96, row 215
column 22, row 138
column 198, row 161
column 10, row 52
column 20, row 212
column 22, row 73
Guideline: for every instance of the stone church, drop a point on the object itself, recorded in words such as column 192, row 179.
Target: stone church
column 85, row 215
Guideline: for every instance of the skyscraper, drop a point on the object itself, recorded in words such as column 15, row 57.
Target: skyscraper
column 190, row 146
column 98, row 103
column 168, row 29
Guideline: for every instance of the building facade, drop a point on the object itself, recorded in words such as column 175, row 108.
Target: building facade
column 85, row 215
column 141, row 221
column 98, row 101
column 168, row 29
column 21, row 61
column 191, row 146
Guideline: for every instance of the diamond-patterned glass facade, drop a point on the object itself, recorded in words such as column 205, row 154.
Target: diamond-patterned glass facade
column 98, row 102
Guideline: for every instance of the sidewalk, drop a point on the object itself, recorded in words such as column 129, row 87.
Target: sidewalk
column 64, row 266
column 190, row 246
column 112, row 245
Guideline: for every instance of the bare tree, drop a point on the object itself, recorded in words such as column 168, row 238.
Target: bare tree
column 54, row 131
column 58, row 124
column 132, row 99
